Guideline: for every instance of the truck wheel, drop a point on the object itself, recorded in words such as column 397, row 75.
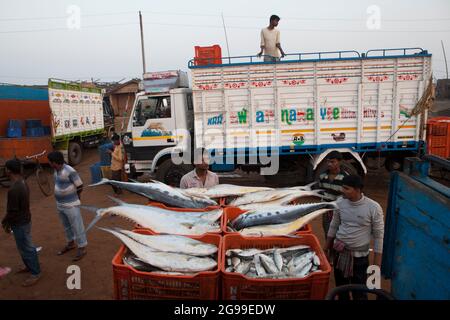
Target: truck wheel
column 394, row 164
column 75, row 153
column 171, row 174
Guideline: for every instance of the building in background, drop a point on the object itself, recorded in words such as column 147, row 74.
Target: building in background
column 122, row 98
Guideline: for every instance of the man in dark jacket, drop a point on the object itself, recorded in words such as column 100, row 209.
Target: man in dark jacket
column 18, row 220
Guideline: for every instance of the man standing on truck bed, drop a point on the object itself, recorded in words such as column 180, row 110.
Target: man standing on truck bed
column 68, row 187
column 200, row 177
column 357, row 220
column 18, row 220
column 270, row 41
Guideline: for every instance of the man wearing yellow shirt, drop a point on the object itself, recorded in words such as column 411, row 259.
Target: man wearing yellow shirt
column 117, row 158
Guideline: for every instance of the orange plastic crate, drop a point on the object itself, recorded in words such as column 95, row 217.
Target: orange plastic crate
column 239, row 287
column 438, row 136
column 208, row 55
column 231, row 213
column 130, row 284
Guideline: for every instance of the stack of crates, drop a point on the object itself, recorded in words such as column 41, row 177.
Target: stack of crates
column 14, row 129
column 34, row 128
column 438, row 136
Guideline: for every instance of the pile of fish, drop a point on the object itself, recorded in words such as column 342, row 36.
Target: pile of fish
column 158, row 191
column 245, row 197
column 277, row 263
column 166, row 254
column 161, row 220
column 280, row 220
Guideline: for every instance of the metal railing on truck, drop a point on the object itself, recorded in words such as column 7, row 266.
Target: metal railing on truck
column 313, row 56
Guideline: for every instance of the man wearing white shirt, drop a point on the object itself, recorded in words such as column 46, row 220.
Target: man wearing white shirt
column 270, row 41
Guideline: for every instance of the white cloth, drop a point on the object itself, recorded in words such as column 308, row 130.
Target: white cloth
column 355, row 222
column 269, row 40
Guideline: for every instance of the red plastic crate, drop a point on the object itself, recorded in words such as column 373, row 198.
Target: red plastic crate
column 239, row 287
column 231, row 213
column 438, row 136
column 130, row 284
column 208, row 55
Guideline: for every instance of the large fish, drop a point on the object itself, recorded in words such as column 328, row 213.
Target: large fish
column 161, row 220
column 272, row 195
column 167, row 261
column 224, row 190
column 282, row 229
column 278, row 215
column 161, row 192
column 172, row 243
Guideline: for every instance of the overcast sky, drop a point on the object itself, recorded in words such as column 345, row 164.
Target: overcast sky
column 36, row 42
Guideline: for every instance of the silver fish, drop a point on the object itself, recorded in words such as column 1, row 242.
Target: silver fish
column 316, row 260
column 161, row 220
column 226, row 190
column 132, row 261
column 278, row 259
column 235, row 261
column 278, row 215
column 161, row 192
column 259, row 268
column 305, row 270
column 172, row 262
column 172, row 243
column 272, row 195
column 268, row 264
column 243, row 267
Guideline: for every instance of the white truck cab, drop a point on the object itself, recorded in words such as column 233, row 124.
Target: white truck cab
column 160, row 113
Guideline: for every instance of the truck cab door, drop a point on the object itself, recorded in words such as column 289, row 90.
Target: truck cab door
column 154, row 122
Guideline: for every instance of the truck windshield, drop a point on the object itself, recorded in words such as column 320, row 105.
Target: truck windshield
column 152, row 108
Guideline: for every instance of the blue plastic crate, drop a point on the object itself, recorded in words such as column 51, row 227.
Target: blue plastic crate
column 14, row 124
column 35, row 132
column 14, row 132
column 96, row 173
column 33, row 123
column 105, row 157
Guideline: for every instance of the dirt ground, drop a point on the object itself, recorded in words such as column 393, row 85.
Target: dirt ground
column 96, row 269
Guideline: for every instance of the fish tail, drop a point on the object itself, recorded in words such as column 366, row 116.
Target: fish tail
column 118, row 201
column 98, row 215
column 100, row 183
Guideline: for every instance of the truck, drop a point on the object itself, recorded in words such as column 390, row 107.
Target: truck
column 283, row 118
column 73, row 115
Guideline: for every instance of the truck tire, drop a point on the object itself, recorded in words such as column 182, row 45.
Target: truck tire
column 394, row 164
column 170, row 173
column 75, row 153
